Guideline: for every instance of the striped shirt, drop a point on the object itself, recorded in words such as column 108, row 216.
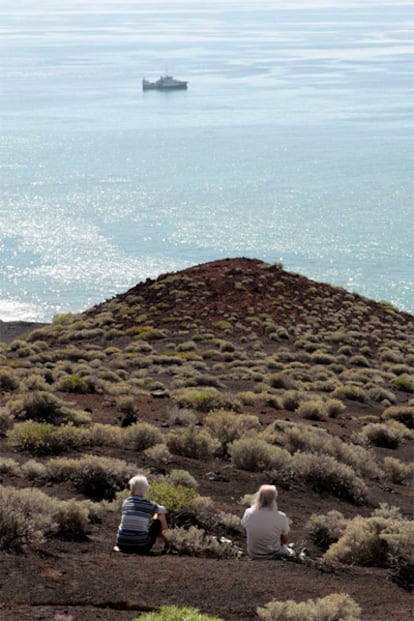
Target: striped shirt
column 137, row 514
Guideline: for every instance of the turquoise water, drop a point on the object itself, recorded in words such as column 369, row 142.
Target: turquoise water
column 293, row 143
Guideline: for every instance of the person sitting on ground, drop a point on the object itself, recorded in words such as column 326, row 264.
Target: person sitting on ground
column 267, row 528
column 142, row 520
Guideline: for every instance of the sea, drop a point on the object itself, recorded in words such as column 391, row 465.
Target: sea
column 292, row 144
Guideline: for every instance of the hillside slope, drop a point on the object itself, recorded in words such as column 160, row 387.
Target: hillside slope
column 224, row 352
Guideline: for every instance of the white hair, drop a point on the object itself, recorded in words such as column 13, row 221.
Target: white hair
column 138, row 485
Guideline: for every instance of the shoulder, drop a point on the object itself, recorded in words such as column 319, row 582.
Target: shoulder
column 247, row 513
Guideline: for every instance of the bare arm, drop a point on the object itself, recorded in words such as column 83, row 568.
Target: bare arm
column 284, row 540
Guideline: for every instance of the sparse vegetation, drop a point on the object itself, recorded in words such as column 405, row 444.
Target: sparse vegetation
column 338, row 606
column 211, row 387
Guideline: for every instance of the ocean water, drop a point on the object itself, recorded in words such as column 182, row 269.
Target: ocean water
column 293, row 143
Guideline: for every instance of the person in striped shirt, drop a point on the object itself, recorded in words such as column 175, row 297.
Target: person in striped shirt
column 142, row 521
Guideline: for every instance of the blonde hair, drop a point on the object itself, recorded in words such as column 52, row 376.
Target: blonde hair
column 265, row 498
column 138, row 485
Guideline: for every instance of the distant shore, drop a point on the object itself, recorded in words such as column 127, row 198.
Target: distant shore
column 9, row 330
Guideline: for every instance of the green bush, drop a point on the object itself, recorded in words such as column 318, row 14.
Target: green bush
column 98, row 478
column 254, row 454
column 334, row 607
column 314, row 410
column 141, row 436
column 353, row 393
column 290, row 400
column 203, row 400
column 227, row 426
column 172, row 613
column 387, row 435
column 8, row 381
column 281, row 380
column 326, row 475
column 404, row 383
column 23, row 519
column 76, row 384
column 6, row 422
column 397, row 471
column 72, row 518
column 45, row 407
column 176, row 497
column 8, row 466
column 182, row 477
column 45, row 439
column 373, row 541
column 401, row 413
column 323, row 530
column 28, row 516
column 334, row 407
column 192, row 442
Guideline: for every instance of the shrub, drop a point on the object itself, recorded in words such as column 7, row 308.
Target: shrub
column 182, row 477
column 6, row 422
column 402, row 413
column 195, row 542
column 385, row 435
column 125, row 404
column 8, row 381
column 172, row 613
column 404, row 383
column 334, row 407
column 192, row 442
column 8, row 466
column 100, row 434
column 96, row 477
column 326, row 475
column 158, row 453
column 314, row 440
column 290, row 400
column 374, row 541
column 337, row 606
column 401, row 554
column 45, row 439
column 183, row 417
column 176, row 497
column 254, row 454
column 34, row 470
column 141, row 436
column 353, row 393
column 145, row 333
column 227, row 426
column 76, row 384
column 281, row 380
column 314, row 410
column 323, row 530
column 72, row 518
column 397, row 471
column 203, row 400
column 47, row 408
column 24, row 518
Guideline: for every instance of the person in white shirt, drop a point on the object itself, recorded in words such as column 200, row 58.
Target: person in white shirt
column 266, row 527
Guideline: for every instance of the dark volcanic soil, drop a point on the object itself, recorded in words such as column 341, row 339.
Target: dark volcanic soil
column 88, row 581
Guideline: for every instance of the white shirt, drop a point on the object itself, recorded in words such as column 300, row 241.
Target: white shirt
column 264, row 528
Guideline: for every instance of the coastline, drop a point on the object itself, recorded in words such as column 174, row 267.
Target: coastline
column 9, row 330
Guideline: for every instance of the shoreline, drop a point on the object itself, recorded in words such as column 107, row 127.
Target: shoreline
column 9, row 330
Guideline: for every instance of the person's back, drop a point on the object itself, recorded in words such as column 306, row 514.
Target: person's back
column 265, row 528
column 142, row 520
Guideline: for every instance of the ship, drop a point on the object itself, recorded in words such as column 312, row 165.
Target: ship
column 164, row 83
